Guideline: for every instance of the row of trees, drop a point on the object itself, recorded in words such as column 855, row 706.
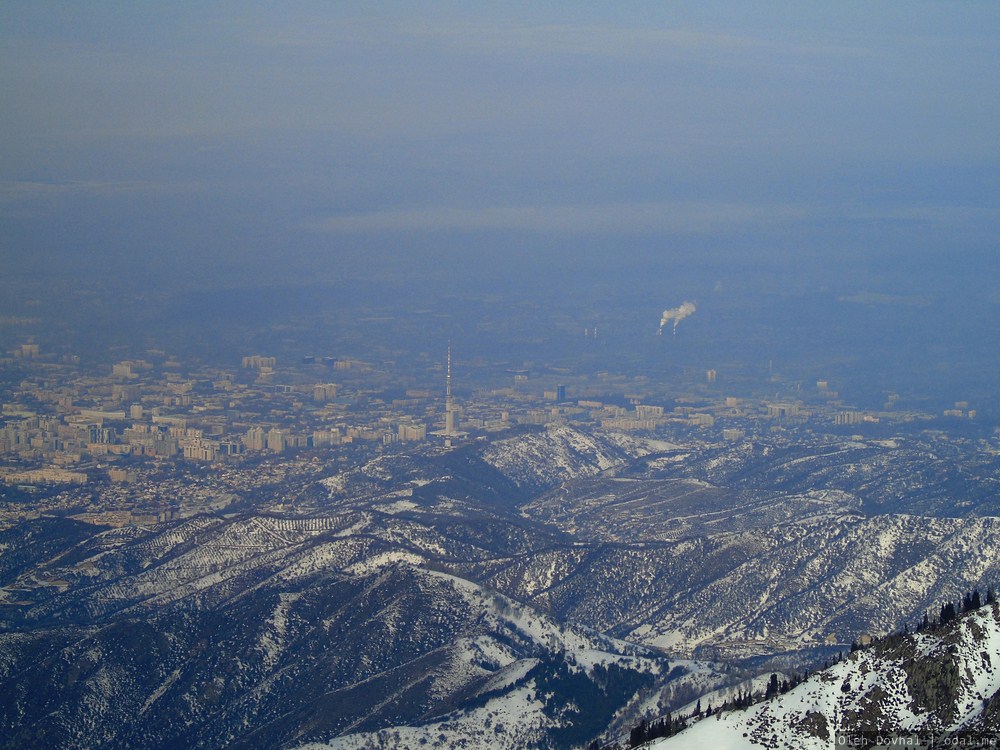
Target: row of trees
column 667, row 726
column 971, row 601
column 653, row 730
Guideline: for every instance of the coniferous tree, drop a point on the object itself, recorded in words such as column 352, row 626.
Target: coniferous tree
column 976, row 599
column 657, row 729
column 772, row 686
column 991, row 596
column 638, row 735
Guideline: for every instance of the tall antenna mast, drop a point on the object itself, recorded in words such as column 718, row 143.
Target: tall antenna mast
column 449, row 404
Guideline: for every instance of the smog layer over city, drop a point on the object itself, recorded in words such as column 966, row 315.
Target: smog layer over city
column 388, row 375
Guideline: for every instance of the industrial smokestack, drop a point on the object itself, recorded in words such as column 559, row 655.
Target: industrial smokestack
column 676, row 314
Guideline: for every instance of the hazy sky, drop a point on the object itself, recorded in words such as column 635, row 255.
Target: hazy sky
column 247, row 137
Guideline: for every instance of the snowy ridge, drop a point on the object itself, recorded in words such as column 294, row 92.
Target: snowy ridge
column 540, row 629
column 767, row 590
column 542, row 459
column 510, row 722
column 928, row 684
column 305, row 629
column 510, row 713
column 426, row 597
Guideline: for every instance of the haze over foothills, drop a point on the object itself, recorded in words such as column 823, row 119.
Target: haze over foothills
column 641, row 153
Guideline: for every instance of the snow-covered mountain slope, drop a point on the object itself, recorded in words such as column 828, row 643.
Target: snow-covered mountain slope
column 941, row 683
column 540, row 459
column 922, row 472
column 763, row 590
column 260, row 631
column 429, row 590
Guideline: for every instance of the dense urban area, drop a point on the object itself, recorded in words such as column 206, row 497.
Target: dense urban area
column 147, row 440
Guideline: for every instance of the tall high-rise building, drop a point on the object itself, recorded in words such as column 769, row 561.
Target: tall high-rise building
column 255, row 439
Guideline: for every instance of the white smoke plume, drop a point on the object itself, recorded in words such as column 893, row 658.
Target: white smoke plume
column 676, row 314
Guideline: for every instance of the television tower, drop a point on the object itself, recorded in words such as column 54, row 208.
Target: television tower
column 450, row 432
column 449, row 404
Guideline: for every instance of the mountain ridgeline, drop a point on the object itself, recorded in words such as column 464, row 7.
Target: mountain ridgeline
column 551, row 588
column 936, row 687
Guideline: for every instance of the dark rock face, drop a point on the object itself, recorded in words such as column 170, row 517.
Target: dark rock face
column 934, row 685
